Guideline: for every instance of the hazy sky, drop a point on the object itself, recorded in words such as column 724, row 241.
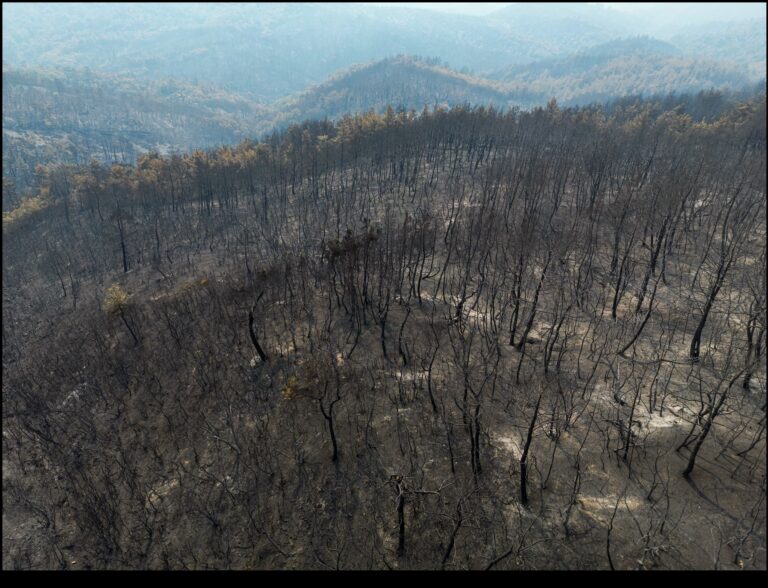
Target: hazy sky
column 698, row 10
column 472, row 8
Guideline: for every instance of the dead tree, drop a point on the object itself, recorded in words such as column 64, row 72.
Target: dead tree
column 524, row 457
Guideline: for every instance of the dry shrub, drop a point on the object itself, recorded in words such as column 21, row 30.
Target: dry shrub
column 115, row 300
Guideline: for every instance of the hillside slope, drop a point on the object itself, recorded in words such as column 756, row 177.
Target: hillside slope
column 464, row 340
column 267, row 50
column 401, row 81
column 639, row 65
column 71, row 116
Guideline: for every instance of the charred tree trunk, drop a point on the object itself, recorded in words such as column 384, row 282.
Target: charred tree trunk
column 524, row 457
column 254, row 339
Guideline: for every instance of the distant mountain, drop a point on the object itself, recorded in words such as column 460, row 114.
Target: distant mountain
column 638, row 65
column 401, row 81
column 71, row 116
column 587, row 59
column 564, row 27
column 272, row 50
column 743, row 42
column 266, row 50
column 665, row 19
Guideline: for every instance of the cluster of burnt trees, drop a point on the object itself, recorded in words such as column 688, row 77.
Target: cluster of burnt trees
column 455, row 340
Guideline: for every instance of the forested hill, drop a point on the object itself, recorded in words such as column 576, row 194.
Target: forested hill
column 623, row 67
column 374, row 287
column 272, row 50
column 742, row 42
column 453, row 340
column 267, row 50
column 73, row 115
column 401, row 81
column 639, row 65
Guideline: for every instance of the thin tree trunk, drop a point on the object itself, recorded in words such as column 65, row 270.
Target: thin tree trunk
column 524, row 458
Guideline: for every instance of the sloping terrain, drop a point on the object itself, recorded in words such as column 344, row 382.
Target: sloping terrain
column 462, row 340
column 267, row 50
column 402, row 81
column 272, row 50
column 628, row 66
column 72, row 116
